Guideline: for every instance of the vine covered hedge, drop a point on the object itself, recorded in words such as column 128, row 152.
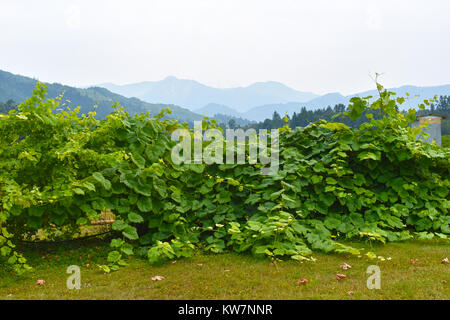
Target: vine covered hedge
column 61, row 170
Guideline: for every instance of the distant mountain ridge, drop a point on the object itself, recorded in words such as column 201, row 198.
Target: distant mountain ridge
column 256, row 102
column 19, row 88
column 260, row 113
column 194, row 95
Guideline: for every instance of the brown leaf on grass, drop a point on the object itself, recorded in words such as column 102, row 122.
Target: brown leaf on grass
column 40, row 282
column 157, row 278
column 200, row 264
column 346, row 266
column 340, row 276
column 444, row 260
column 414, row 261
column 302, row 281
column 174, row 262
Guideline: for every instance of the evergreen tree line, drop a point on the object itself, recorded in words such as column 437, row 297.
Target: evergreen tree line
column 305, row 117
column 6, row 106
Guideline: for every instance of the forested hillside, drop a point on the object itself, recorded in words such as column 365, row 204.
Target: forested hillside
column 18, row 88
column 6, row 106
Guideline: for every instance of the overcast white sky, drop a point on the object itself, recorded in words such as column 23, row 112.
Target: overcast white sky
column 320, row 46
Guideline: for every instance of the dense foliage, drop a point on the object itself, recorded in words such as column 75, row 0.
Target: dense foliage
column 446, row 141
column 60, row 170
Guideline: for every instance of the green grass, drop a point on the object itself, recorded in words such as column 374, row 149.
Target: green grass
column 232, row 276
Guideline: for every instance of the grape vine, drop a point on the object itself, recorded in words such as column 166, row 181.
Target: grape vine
column 61, row 170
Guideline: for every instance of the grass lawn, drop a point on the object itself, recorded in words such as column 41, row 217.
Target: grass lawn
column 233, row 276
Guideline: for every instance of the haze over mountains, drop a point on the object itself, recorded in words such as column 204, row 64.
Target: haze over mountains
column 256, row 102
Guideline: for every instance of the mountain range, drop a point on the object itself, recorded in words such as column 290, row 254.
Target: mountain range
column 194, row 95
column 190, row 100
column 256, row 102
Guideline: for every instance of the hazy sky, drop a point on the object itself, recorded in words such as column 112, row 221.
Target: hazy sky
column 320, row 46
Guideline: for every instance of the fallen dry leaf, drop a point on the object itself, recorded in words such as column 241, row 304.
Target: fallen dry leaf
column 350, row 293
column 414, row 261
column 200, row 264
column 40, row 282
column 158, row 278
column 302, row 281
column 340, row 276
column 174, row 262
column 445, row 260
column 346, row 266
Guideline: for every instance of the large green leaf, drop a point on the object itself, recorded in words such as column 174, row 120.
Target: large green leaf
column 102, row 180
column 144, row 204
column 130, row 233
column 135, row 217
column 138, row 160
column 160, row 187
